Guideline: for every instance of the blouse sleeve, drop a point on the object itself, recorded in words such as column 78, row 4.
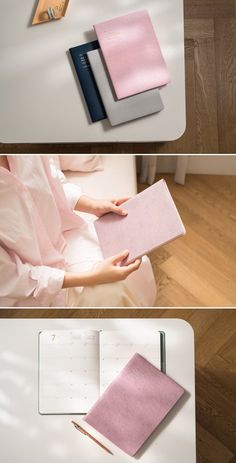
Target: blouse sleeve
column 72, row 192
column 20, row 281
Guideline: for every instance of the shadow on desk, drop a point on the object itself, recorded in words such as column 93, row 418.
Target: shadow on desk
column 163, row 425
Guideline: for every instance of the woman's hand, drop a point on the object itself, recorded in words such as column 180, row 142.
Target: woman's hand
column 108, row 271
column 100, row 207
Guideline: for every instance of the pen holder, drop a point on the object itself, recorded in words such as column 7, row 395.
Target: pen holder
column 49, row 10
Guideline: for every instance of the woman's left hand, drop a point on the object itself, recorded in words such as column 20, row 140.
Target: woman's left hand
column 102, row 207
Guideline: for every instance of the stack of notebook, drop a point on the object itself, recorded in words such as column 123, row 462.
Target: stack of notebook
column 121, row 72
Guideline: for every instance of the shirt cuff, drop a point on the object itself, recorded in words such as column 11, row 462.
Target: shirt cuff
column 49, row 283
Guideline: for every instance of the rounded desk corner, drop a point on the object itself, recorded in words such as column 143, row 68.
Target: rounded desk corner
column 180, row 132
column 187, row 325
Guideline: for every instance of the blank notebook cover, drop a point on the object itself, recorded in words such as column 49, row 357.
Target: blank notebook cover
column 152, row 221
column 128, row 109
column 88, row 84
column 134, row 405
column 132, row 53
column 76, row 366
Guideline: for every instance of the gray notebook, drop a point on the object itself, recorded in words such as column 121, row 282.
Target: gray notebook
column 128, row 109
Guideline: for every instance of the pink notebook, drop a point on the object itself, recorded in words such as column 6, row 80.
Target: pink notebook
column 134, row 404
column 152, row 221
column 132, row 54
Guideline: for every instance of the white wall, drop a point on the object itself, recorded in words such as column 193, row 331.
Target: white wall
column 200, row 164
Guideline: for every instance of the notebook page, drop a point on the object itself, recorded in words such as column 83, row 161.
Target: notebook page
column 68, row 371
column 117, row 348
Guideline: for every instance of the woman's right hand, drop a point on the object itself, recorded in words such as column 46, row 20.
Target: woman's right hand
column 107, row 271
column 110, row 270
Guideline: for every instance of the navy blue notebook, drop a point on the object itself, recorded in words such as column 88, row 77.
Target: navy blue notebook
column 88, row 84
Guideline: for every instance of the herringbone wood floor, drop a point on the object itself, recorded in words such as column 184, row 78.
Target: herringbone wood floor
column 199, row 269
column 210, row 38
column 215, row 341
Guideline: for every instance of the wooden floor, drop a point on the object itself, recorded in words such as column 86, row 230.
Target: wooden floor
column 210, row 38
column 215, row 341
column 199, row 269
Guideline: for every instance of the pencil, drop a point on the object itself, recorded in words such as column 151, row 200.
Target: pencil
column 86, row 433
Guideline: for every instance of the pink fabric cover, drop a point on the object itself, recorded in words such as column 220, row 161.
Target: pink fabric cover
column 152, row 221
column 134, row 404
column 132, row 54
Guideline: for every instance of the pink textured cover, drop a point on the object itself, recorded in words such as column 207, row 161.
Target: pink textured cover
column 132, row 54
column 152, row 221
column 134, row 404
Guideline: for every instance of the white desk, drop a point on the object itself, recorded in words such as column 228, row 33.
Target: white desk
column 28, row 437
column 40, row 98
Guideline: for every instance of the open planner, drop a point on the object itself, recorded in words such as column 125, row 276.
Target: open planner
column 76, row 366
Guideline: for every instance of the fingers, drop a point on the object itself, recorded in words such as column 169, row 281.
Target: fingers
column 118, row 210
column 118, row 258
column 132, row 267
column 120, row 201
